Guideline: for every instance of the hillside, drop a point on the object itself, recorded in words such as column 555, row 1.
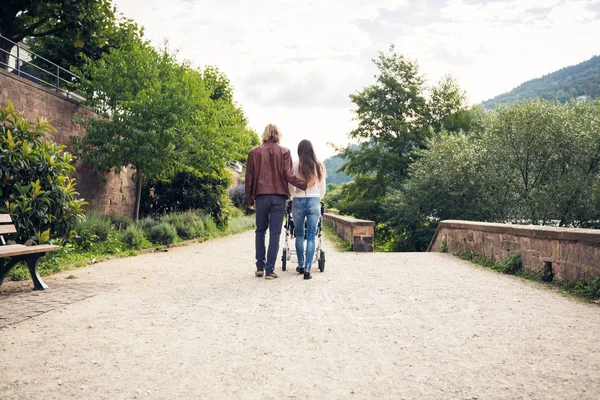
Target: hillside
column 332, row 164
column 563, row 85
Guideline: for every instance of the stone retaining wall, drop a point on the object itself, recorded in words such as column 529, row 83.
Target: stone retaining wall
column 572, row 254
column 108, row 193
column 359, row 232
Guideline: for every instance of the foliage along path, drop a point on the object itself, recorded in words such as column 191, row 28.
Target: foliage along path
column 195, row 323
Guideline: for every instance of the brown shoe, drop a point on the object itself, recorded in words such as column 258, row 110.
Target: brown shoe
column 272, row 275
column 259, row 273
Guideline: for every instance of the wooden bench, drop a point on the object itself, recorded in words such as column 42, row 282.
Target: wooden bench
column 19, row 252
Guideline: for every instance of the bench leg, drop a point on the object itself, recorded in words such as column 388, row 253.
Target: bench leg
column 32, row 262
column 4, row 268
column 3, row 272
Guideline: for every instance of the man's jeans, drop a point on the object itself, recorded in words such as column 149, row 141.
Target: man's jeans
column 269, row 214
column 308, row 208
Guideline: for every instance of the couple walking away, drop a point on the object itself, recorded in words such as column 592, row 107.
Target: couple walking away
column 271, row 179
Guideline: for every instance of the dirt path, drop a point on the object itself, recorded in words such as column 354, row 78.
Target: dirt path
column 194, row 323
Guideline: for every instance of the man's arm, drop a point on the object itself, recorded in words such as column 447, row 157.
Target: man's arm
column 288, row 172
column 249, row 176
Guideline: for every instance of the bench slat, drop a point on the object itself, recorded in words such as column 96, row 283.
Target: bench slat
column 4, row 229
column 5, row 219
column 12, row 250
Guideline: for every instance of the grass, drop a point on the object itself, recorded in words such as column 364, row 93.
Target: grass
column 86, row 247
column 339, row 243
column 512, row 265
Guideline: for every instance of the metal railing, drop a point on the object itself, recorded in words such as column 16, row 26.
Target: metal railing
column 55, row 76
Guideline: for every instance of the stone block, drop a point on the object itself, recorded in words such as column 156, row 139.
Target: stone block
column 359, row 245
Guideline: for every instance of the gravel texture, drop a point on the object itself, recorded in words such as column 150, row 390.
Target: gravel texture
column 195, row 323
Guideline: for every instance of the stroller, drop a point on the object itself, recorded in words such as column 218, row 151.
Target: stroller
column 290, row 233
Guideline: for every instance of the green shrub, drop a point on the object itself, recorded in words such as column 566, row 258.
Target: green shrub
column 132, row 237
column 35, row 187
column 94, row 228
column 19, row 273
column 199, row 227
column 240, row 224
column 186, row 191
column 120, row 222
column 186, row 229
column 163, row 233
column 234, row 212
column 210, row 227
column 147, row 223
column 510, row 265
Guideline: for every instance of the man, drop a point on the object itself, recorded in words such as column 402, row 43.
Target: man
column 268, row 172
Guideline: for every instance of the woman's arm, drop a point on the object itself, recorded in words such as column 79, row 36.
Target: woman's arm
column 322, row 186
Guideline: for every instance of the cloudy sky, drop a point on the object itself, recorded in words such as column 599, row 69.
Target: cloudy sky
column 294, row 63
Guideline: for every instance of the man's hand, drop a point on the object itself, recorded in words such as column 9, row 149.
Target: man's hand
column 252, row 207
column 311, row 183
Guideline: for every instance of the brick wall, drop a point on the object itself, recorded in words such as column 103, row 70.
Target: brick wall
column 109, row 193
column 572, row 254
column 359, row 232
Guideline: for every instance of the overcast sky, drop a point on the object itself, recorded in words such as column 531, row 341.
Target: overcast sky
column 294, row 63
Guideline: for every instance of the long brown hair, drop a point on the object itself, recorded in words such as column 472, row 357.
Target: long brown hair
column 309, row 165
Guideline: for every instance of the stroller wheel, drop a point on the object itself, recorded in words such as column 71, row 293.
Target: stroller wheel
column 322, row 261
column 284, row 260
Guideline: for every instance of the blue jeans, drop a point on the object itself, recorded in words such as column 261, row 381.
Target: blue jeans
column 306, row 209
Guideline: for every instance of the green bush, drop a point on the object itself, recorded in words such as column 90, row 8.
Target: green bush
column 120, row 222
column 35, row 187
column 199, row 227
column 133, row 237
column 240, row 224
column 189, row 224
column 210, row 227
column 234, row 212
column 147, row 223
column 92, row 229
column 510, row 265
column 163, row 233
column 186, row 229
column 186, row 191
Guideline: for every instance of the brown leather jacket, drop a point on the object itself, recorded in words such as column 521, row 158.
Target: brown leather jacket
column 269, row 170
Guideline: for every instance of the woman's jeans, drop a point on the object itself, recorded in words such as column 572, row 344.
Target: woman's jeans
column 306, row 209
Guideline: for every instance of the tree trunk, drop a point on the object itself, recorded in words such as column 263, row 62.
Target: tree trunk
column 138, row 194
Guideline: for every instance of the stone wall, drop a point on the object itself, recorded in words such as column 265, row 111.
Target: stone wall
column 108, row 193
column 572, row 254
column 359, row 232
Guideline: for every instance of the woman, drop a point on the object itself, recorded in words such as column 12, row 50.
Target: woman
column 306, row 204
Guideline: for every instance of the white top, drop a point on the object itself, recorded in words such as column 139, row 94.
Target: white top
column 316, row 191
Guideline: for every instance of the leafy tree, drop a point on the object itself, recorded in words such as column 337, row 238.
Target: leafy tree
column 549, row 153
column 535, row 162
column 80, row 23
column 452, row 178
column 70, row 49
column 160, row 117
column 137, row 91
column 35, row 184
column 395, row 117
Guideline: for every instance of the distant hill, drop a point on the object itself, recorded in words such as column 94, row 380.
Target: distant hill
column 332, row 164
column 563, row 85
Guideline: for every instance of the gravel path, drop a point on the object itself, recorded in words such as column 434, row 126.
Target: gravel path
column 194, row 323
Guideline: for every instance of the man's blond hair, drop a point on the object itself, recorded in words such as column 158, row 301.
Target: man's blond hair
column 271, row 134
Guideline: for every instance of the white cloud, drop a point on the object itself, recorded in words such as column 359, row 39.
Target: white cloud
column 294, row 63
